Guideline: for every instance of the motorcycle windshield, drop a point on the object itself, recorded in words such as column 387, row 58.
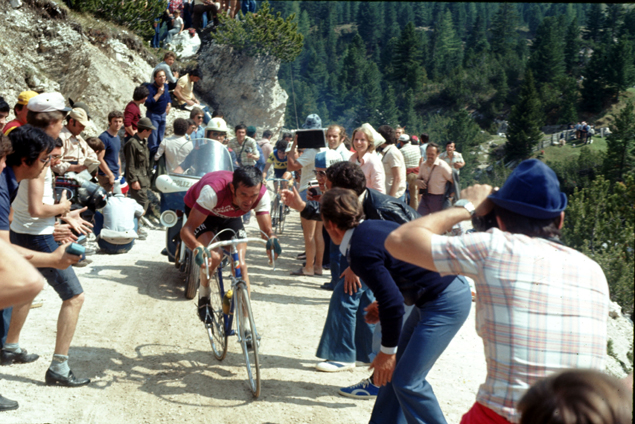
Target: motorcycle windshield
column 199, row 157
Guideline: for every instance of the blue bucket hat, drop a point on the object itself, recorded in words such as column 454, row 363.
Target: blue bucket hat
column 531, row 190
column 312, row 122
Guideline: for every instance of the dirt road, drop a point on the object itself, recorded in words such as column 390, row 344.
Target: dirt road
column 149, row 359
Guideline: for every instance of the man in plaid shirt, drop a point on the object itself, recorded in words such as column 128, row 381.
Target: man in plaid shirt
column 540, row 306
column 245, row 147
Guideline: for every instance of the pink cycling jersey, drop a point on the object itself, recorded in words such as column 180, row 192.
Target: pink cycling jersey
column 212, row 195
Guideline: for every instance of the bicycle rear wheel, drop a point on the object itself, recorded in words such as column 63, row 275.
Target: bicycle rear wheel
column 281, row 218
column 216, row 329
column 275, row 218
column 248, row 337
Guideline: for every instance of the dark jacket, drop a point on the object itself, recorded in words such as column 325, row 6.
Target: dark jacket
column 376, row 206
column 138, row 164
column 452, row 188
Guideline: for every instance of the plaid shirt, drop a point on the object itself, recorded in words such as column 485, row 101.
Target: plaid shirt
column 411, row 155
column 540, row 307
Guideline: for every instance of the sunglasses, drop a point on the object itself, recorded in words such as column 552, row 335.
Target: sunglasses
column 319, row 173
column 199, row 117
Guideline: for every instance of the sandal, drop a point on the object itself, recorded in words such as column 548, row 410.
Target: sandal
column 300, row 271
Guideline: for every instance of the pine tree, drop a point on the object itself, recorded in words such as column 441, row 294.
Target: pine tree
column 477, row 41
column 613, row 17
column 370, row 110
column 594, row 91
column 547, row 57
column 568, row 110
column 524, row 122
column 571, row 47
column 406, row 62
column 389, row 110
column 620, row 145
column 409, row 118
column 503, row 29
column 367, row 21
column 502, row 89
column 446, row 54
column 535, row 17
column 621, row 73
column 594, row 22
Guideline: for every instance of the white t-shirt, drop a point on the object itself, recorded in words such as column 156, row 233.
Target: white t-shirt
column 23, row 222
column 177, row 23
column 344, row 152
column 208, row 199
column 393, row 158
column 307, row 160
column 119, row 213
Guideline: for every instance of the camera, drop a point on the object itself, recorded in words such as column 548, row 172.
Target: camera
column 484, row 223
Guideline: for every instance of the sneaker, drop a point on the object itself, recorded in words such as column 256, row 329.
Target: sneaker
column 362, row 390
column 83, row 263
column 249, row 339
column 333, row 366
column 143, row 234
column 204, row 312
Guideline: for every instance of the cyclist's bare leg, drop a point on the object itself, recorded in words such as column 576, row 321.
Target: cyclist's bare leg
column 206, row 238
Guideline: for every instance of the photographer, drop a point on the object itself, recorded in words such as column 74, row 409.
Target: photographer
column 541, row 305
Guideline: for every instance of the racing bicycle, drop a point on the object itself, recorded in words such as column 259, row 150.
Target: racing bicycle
column 278, row 209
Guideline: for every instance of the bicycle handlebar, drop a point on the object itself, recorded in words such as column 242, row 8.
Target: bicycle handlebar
column 236, row 241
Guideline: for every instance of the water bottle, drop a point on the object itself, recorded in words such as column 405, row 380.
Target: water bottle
column 227, row 301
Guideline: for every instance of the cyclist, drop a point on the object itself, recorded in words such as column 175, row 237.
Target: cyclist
column 217, row 202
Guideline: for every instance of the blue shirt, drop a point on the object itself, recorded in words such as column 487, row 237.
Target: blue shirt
column 392, row 281
column 8, row 190
column 111, row 157
column 157, row 107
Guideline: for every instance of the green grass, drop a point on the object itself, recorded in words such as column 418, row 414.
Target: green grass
column 569, row 152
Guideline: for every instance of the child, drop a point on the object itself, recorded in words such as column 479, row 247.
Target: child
column 98, row 147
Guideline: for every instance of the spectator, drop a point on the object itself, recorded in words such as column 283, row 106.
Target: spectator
column 20, row 110
column 200, row 8
column 423, row 146
column 76, row 154
column 265, row 143
column 158, row 106
column 414, row 140
column 394, row 165
column 177, row 26
column 399, row 131
column 512, row 267
column 47, row 111
column 312, row 238
column 4, row 112
column 110, row 162
column 97, row 145
column 364, row 145
column 577, row 396
column 246, row 148
column 187, row 13
column 248, row 6
column 452, row 157
column 184, row 91
column 138, row 164
column 117, row 223
column 80, row 105
column 335, row 137
column 176, row 147
column 412, row 157
column 166, row 66
column 132, row 113
column 191, row 128
column 260, row 163
column 442, row 304
column 198, row 116
column 431, row 180
column 32, row 228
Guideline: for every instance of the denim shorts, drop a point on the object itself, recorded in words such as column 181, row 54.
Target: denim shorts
column 63, row 281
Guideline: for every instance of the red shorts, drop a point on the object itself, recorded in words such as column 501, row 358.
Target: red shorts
column 480, row 414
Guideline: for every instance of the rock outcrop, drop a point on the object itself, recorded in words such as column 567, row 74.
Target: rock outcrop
column 245, row 88
column 44, row 49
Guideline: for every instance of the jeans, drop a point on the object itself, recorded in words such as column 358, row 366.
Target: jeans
column 377, row 332
column 155, row 39
column 187, row 15
column 430, row 328
column 5, row 320
column 171, row 34
column 156, row 137
column 335, row 257
column 346, row 336
column 247, row 6
column 110, row 248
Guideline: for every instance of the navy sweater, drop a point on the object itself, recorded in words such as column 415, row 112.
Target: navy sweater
column 392, row 281
column 157, row 106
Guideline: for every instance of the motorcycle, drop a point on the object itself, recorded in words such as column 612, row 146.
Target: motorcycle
column 202, row 156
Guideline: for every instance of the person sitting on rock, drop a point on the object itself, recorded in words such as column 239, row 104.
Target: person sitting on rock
column 172, row 77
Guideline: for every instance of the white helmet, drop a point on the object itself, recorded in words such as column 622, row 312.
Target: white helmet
column 217, row 124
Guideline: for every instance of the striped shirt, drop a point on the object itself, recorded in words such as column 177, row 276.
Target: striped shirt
column 411, row 155
column 540, row 307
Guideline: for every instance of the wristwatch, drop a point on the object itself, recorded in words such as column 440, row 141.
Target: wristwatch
column 464, row 203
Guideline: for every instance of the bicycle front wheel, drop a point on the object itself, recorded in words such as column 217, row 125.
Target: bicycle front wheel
column 192, row 277
column 248, row 337
column 216, row 329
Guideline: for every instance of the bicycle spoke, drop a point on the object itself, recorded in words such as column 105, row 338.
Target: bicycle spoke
column 249, row 338
column 216, row 330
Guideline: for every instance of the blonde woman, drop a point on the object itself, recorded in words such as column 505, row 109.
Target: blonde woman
column 365, row 157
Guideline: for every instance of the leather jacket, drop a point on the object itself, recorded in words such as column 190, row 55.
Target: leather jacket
column 376, row 206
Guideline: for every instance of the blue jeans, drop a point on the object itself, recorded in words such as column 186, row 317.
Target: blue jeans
column 335, row 257
column 377, row 332
column 158, row 120
column 247, row 6
column 110, row 248
column 430, row 328
column 155, row 39
column 346, row 336
column 187, row 15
